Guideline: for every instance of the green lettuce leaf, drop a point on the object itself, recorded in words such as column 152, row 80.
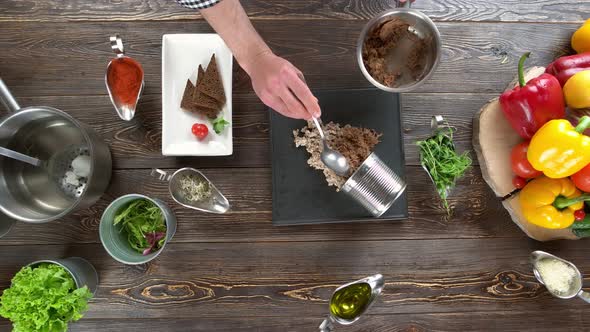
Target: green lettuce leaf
column 44, row 298
column 219, row 124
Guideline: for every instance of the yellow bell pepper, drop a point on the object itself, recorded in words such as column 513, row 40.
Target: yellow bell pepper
column 560, row 150
column 581, row 38
column 551, row 203
column 577, row 90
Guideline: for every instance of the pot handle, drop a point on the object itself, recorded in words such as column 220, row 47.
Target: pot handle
column 7, row 99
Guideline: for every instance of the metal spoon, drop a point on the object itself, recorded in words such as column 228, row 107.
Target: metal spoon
column 576, row 288
column 20, row 157
column 333, row 159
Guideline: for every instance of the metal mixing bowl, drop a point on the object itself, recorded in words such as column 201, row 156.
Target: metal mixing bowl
column 422, row 26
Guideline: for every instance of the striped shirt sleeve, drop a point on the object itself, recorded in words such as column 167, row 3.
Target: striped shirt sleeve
column 198, row 4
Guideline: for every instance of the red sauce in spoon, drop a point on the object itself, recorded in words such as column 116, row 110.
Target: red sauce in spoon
column 124, row 78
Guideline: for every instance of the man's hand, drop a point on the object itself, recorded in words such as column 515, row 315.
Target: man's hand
column 275, row 80
column 280, row 86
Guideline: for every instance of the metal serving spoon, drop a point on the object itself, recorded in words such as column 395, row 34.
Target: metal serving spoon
column 333, row 159
column 575, row 290
column 20, row 157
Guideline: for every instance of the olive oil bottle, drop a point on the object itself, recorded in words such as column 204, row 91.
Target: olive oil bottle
column 351, row 301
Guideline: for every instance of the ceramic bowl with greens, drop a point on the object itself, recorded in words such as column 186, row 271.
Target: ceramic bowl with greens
column 134, row 229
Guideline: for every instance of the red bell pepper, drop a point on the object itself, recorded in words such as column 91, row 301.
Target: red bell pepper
column 565, row 67
column 530, row 105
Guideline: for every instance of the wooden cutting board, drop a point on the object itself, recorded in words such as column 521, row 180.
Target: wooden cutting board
column 493, row 139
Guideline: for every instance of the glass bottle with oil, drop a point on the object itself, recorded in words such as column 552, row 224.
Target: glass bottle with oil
column 350, row 301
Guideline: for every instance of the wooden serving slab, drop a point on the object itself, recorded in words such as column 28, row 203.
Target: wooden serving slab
column 493, row 139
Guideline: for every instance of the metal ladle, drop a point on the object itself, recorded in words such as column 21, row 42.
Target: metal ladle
column 576, row 287
column 333, row 159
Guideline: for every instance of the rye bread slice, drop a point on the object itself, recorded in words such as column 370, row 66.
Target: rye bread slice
column 200, row 99
column 211, row 84
column 187, row 96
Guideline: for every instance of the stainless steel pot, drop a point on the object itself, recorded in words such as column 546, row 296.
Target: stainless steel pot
column 422, row 26
column 33, row 194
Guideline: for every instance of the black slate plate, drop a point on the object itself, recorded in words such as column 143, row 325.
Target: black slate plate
column 300, row 194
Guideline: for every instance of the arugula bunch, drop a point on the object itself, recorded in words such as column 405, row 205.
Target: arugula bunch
column 445, row 166
column 44, row 298
column 144, row 224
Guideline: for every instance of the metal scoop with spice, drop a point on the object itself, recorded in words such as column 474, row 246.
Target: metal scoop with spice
column 562, row 278
column 191, row 189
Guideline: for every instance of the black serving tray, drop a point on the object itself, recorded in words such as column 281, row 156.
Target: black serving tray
column 300, row 194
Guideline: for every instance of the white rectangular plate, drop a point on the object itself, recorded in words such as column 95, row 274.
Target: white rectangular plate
column 181, row 56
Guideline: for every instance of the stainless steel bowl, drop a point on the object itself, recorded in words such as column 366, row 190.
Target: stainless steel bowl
column 422, row 26
column 34, row 194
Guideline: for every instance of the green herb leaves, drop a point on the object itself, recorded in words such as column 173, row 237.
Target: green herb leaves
column 445, row 166
column 44, row 298
column 144, row 224
column 219, row 124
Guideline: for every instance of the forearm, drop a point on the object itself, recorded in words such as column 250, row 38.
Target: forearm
column 230, row 21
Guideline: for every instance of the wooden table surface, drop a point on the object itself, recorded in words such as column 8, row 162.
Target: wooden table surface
column 237, row 272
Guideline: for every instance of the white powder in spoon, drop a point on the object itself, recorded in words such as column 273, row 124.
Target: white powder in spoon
column 557, row 276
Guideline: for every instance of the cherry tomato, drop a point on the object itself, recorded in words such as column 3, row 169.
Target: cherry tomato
column 519, row 182
column 580, row 215
column 582, row 179
column 520, row 164
column 200, row 130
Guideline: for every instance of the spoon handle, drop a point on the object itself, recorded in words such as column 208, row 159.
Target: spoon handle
column 19, row 156
column 584, row 296
column 321, row 131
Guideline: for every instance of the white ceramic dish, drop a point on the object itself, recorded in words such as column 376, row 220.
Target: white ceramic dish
column 181, row 56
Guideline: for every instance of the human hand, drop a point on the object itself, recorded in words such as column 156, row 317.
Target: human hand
column 280, row 86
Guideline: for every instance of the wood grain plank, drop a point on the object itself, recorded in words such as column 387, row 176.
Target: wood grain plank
column 137, row 144
column 163, row 10
column 477, row 213
column 70, row 58
column 472, row 321
column 296, row 279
